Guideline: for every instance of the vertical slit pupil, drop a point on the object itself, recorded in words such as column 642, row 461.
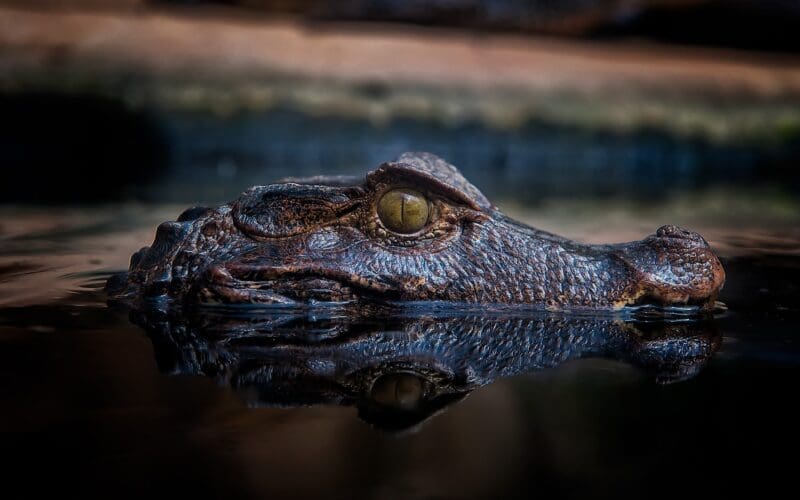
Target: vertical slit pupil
column 403, row 210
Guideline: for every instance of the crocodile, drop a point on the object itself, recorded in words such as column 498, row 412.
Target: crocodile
column 413, row 229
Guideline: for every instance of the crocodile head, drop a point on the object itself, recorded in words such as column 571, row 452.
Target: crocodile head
column 413, row 229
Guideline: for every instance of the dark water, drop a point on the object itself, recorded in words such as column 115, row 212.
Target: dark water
column 102, row 402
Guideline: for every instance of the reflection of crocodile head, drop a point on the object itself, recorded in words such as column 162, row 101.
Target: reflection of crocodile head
column 400, row 370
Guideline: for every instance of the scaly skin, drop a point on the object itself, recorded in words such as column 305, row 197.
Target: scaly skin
column 321, row 239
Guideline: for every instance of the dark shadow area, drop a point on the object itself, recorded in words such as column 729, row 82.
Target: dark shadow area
column 110, row 428
column 769, row 26
column 58, row 148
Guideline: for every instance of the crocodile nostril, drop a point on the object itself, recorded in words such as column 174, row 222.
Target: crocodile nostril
column 670, row 231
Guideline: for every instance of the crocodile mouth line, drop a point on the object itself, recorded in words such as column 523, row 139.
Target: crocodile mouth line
column 255, row 284
column 296, row 285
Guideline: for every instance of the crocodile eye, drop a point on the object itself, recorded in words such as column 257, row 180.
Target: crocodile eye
column 403, row 210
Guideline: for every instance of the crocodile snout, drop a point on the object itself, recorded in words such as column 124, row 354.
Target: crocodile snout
column 676, row 266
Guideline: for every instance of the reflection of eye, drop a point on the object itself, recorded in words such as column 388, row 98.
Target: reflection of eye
column 403, row 210
column 398, row 390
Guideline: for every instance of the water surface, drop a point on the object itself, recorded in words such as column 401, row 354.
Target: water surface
column 101, row 402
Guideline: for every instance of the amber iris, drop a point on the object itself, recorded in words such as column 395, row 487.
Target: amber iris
column 403, row 210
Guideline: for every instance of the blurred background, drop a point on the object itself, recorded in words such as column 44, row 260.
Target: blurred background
column 538, row 102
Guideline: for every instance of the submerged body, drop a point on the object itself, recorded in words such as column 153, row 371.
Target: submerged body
column 413, row 230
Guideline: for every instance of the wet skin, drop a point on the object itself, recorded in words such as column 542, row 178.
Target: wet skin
column 413, row 230
column 399, row 370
